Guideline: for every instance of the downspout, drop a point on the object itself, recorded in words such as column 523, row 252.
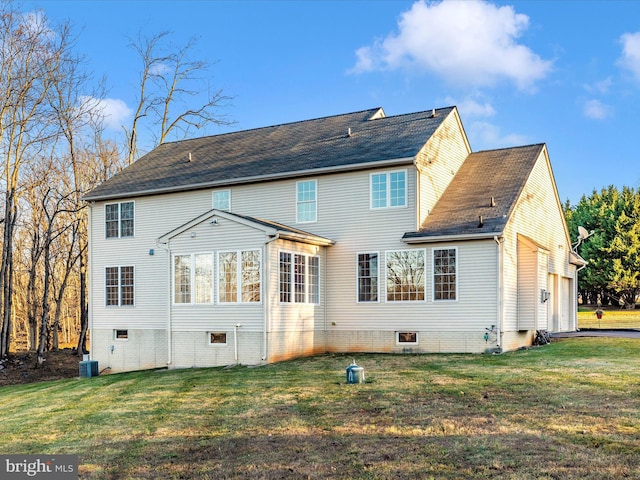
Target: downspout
column 88, row 276
column 499, row 241
column 265, row 283
column 167, row 249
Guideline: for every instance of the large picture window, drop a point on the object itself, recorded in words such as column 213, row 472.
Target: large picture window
column 120, row 285
column 405, row 275
column 299, row 278
column 119, row 219
column 444, row 274
column 389, row 189
column 368, row 277
column 193, row 278
column 239, row 271
column 306, row 201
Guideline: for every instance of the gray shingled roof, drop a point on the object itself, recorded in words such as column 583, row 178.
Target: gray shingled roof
column 274, row 152
column 500, row 174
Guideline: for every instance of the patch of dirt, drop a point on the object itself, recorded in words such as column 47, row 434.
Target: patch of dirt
column 21, row 367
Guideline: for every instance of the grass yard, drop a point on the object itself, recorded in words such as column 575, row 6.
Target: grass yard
column 613, row 318
column 569, row 410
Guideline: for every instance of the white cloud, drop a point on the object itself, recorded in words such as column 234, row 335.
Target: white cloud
column 466, row 42
column 601, row 87
column 488, row 136
column 630, row 58
column 596, row 110
column 470, row 107
column 114, row 111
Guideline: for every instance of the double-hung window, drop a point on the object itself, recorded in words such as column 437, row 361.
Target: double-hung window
column 388, row 189
column 368, row 277
column 444, row 274
column 299, row 278
column 405, row 272
column 239, row 271
column 306, row 201
column 119, row 219
column 120, row 283
column 193, row 278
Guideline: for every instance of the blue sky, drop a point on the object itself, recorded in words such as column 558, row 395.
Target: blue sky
column 566, row 73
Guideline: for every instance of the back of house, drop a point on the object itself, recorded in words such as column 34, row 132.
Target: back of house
column 358, row 232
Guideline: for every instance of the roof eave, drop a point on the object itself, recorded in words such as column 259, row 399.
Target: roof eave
column 451, row 238
column 255, row 179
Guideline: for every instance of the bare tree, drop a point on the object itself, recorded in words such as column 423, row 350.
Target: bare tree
column 30, row 56
column 169, row 78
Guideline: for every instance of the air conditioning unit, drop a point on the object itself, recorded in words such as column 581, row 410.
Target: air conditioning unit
column 89, row 368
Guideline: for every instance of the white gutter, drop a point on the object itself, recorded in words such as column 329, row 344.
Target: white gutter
column 451, row 238
column 265, row 303
column 500, row 294
column 256, row 178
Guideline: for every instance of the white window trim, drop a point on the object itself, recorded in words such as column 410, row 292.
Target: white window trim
column 192, row 279
column 315, row 201
column 388, row 199
column 292, row 288
column 217, row 345
column 119, row 219
column 433, row 275
column 219, row 191
column 358, row 278
column 120, row 305
column 238, row 277
column 424, row 274
column 398, row 342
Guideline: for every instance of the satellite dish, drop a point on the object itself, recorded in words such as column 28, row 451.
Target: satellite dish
column 583, row 232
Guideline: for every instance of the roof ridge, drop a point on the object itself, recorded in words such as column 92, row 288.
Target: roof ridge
column 284, row 124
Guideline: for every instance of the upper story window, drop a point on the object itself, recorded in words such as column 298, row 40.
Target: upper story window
column 221, row 200
column 405, row 275
column 120, row 283
column 299, row 278
column 306, row 201
column 445, row 279
column 193, row 278
column 119, row 219
column 389, row 189
column 368, row 277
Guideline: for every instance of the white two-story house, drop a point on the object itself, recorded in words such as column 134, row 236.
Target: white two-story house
column 358, row 232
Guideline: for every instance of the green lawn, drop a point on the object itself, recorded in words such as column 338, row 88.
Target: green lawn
column 612, row 318
column 569, row 410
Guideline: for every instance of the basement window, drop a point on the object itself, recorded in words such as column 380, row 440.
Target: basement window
column 121, row 334
column 407, row 337
column 217, row 338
